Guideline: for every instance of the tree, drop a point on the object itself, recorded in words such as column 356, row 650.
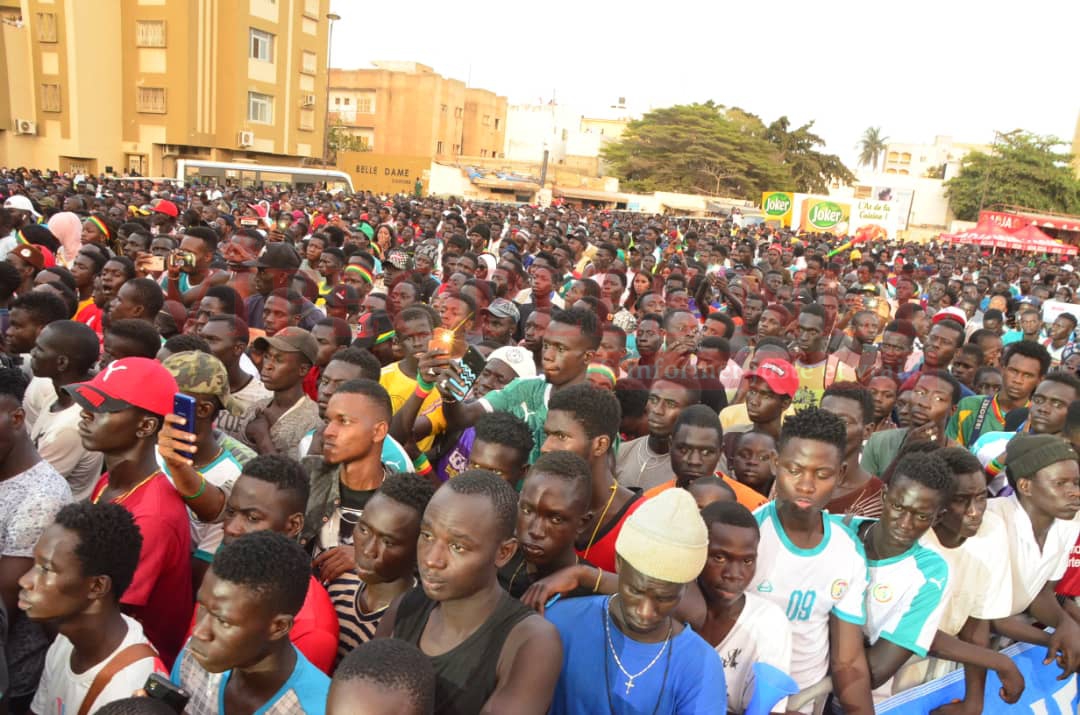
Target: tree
column 341, row 139
column 811, row 171
column 871, row 146
column 1024, row 169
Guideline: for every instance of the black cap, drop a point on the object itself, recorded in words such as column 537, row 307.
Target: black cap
column 373, row 329
column 279, row 255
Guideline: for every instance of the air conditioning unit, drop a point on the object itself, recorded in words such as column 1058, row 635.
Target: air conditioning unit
column 245, row 138
column 308, row 100
column 170, row 150
column 25, row 126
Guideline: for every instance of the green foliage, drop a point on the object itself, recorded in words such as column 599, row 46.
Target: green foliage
column 1025, row 170
column 340, row 139
column 871, row 147
column 710, row 149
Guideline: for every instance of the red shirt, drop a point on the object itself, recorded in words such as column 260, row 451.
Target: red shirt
column 160, row 592
column 602, row 552
column 743, row 494
column 311, row 385
column 315, row 628
column 89, row 314
column 1069, row 585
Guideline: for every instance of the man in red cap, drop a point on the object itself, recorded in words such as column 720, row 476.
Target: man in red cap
column 771, row 388
column 123, row 408
column 163, row 221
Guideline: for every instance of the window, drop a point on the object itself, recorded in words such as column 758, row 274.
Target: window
column 364, row 105
column 308, row 62
column 459, row 112
column 442, row 108
column 457, row 149
column 260, row 108
column 46, row 24
column 483, row 153
column 337, row 101
column 347, row 101
column 497, row 122
column 50, row 98
column 150, row 100
column 149, row 33
column 438, row 145
column 262, row 46
column 307, row 120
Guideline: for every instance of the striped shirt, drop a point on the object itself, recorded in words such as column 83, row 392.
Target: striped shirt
column 356, row 626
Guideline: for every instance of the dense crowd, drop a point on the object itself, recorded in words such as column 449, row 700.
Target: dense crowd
column 277, row 450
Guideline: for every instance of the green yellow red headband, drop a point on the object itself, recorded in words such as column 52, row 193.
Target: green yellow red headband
column 384, row 337
column 101, row 227
column 361, row 271
column 600, row 369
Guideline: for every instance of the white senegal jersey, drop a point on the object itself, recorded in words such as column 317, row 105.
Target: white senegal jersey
column 904, row 601
column 809, row 585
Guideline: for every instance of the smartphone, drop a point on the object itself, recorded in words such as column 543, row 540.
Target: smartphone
column 183, row 258
column 249, row 221
column 184, row 405
column 155, row 263
column 283, row 224
column 442, row 339
column 161, row 688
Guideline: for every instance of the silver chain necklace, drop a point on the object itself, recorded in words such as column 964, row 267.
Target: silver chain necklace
column 630, row 678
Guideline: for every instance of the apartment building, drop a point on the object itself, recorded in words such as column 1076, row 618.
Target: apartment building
column 134, row 85
column 408, row 109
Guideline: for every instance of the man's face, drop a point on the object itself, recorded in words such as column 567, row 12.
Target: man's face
column 454, row 313
column 866, row 328
column 501, row 330
column 851, row 414
column 811, row 337
column 992, row 347
column 21, row 333
column 1020, row 377
column 231, row 625
column 126, row 304
column 354, row 427
column 83, row 271
column 326, row 339
column 208, row 307
column 255, row 505
column 47, row 354
column 762, row 404
column 644, row 603
column 504, row 461
column 1049, row 405
column 1054, row 490
column 910, row 509
column 384, row 540
column 989, row 383
column 963, row 515
column 332, row 376
column 1061, row 329
column 541, row 280
column 282, row 370
column 565, row 354
column 1030, row 323
column 535, row 326
column 752, row 312
column 413, row 336
column 196, row 247
column 219, row 336
column 806, row 474
column 110, row 432
column 770, row 325
column 732, row 562
column 55, row 588
column 277, row 316
column 495, row 376
column 112, row 277
column 773, row 281
column 678, row 299
column 754, row 460
column 612, row 350
column 460, row 545
column 682, row 327
column 666, row 402
column 931, row 401
column 905, row 290
column 963, row 368
column 551, row 515
column 941, row 346
column 695, row 452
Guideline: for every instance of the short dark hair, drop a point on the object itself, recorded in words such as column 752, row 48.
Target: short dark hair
column 408, row 489
column 1064, row 377
column 956, row 327
column 927, row 469
column 237, row 325
column 714, row 343
column 13, row 382
column 369, row 365
column 148, row 294
column 64, row 275
column 43, row 307
column 10, row 279
column 505, row 429
column 946, row 376
column 142, row 334
column 729, row 513
column 596, row 410
column 633, row 396
column 183, row 342
column 502, row 496
column 1027, row 349
column 815, row 424
column 729, row 324
column 294, row 299
column 136, row 706
column 286, row 474
column 959, row 460
column 856, row 393
column 391, row 664
column 230, row 299
column 1072, row 417
column 584, row 320
column 686, row 381
column 78, row 341
column 205, row 234
column 815, row 310
column 700, row 416
column 109, row 541
column 415, row 312
column 569, row 467
column 271, row 565
column 342, row 331
column 1069, row 317
column 370, row 389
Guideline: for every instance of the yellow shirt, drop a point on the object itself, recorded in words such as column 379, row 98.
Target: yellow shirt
column 814, row 379
column 400, row 387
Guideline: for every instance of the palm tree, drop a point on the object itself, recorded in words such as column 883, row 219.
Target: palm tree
column 871, row 147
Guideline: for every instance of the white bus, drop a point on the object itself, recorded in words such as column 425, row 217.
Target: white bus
column 225, row 173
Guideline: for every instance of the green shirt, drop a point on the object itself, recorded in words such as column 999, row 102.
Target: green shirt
column 962, row 423
column 525, row 398
column 881, row 449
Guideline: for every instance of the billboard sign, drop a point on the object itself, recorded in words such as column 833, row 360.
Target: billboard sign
column 777, row 206
column 385, row 173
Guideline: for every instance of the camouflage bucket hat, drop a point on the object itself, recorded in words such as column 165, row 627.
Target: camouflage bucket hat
column 202, row 374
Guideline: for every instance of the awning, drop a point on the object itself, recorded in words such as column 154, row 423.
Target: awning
column 1009, row 219
column 505, row 185
column 1036, row 241
column 577, row 192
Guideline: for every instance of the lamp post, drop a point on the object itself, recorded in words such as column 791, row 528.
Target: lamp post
column 332, row 17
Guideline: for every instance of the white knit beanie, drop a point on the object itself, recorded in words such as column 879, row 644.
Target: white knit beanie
column 665, row 538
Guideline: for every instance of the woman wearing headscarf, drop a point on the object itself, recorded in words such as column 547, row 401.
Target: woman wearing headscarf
column 67, row 227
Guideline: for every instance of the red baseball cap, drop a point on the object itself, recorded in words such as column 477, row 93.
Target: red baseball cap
column 166, row 207
column 128, row 382
column 779, row 375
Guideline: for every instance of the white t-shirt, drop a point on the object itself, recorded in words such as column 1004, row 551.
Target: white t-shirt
column 249, row 400
column 904, row 601
column 222, row 473
column 809, row 585
column 39, row 394
column 56, row 437
column 1032, row 567
column 980, row 580
column 762, row 634
column 61, row 691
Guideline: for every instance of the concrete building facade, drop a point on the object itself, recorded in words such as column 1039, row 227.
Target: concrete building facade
column 940, row 160
column 406, row 108
column 134, row 85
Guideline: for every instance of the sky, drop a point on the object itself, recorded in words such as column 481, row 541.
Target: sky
column 917, row 68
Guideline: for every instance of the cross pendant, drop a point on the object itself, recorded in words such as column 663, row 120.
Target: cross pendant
column 629, row 685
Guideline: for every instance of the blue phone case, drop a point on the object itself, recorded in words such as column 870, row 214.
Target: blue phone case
column 184, row 405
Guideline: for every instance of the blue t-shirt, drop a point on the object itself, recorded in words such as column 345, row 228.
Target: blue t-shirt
column 304, row 692
column 693, row 682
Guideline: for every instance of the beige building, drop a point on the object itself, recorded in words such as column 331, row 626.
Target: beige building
column 940, row 160
column 134, row 85
column 406, row 108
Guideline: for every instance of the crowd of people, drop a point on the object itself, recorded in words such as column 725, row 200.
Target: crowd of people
column 277, row 450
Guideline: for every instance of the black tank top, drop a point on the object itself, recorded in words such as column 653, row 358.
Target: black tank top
column 465, row 675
